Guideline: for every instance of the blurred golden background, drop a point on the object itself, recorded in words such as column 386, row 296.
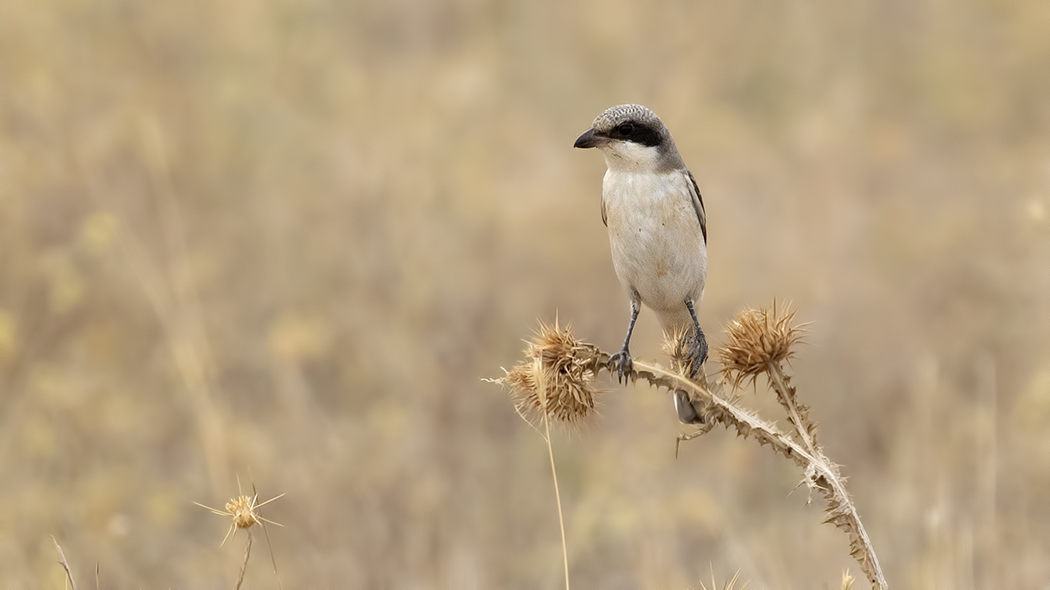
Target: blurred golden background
column 285, row 240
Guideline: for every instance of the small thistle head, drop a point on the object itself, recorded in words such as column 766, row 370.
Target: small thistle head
column 677, row 346
column 556, row 377
column 756, row 341
column 242, row 510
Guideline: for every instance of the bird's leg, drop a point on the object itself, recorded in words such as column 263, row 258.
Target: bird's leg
column 687, row 411
column 699, row 353
column 621, row 363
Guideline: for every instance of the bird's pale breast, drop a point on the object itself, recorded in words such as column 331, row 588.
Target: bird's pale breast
column 658, row 249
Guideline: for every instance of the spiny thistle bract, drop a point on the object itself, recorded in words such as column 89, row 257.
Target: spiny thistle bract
column 757, row 340
column 556, row 376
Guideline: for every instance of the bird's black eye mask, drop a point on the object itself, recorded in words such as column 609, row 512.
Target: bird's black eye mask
column 636, row 132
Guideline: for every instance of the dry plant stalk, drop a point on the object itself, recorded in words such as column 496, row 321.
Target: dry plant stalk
column 551, row 384
column 244, row 512
column 244, row 564
column 759, row 342
column 65, row 564
column 541, row 391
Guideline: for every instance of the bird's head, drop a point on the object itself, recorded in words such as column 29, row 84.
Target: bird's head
column 632, row 138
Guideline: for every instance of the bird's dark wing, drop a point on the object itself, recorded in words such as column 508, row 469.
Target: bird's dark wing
column 605, row 220
column 698, row 204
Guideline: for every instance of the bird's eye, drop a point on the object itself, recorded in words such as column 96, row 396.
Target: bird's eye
column 625, row 129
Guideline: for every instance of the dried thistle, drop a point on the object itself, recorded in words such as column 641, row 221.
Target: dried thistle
column 756, row 341
column 242, row 508
column 555, row 380
column 556, row 377
column 759, row 342
column 244, row 512
column 677, row 346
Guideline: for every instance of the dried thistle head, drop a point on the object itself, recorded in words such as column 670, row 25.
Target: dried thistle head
column 677, row 346
column 756, row 341
column 244, row 512
column 556, row 377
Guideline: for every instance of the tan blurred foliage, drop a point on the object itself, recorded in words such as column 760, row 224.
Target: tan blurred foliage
column 286, row 240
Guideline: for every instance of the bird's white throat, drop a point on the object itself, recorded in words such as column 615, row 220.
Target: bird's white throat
column 630, row 156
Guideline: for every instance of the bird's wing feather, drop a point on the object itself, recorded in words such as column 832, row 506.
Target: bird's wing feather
column 605, row 220
column 698, row 204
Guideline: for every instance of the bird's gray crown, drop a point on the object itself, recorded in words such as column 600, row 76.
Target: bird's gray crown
column 633, row 113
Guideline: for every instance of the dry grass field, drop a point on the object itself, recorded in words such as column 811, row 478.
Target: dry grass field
column 285, row 240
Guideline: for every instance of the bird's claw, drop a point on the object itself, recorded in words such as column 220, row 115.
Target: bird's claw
column 621, row 365
column 698, row 355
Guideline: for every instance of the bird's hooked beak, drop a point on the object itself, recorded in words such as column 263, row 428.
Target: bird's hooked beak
column 589, row 140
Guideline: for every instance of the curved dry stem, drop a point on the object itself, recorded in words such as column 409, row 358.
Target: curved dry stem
column 65, row 564
column 244, row 566
column 820, row 473
column 826, row 479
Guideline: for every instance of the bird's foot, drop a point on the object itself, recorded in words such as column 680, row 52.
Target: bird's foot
column 621, row 364
column 697, row 354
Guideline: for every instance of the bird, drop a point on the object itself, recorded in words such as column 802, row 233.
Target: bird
column 657, row 226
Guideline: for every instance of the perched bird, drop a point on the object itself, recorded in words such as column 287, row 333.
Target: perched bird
column 657, row 229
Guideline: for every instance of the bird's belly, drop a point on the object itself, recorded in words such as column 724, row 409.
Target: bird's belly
column 658, row 249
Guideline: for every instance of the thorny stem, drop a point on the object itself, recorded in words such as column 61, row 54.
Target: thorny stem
column 745, row 422
column 776, row 377
column 820, row 472
column 829, row 474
